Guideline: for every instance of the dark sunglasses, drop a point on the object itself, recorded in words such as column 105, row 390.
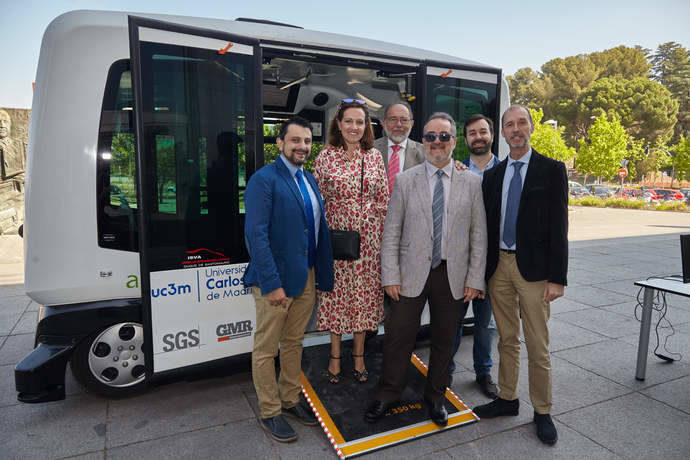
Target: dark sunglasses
column 358, row 101
column 443, row 137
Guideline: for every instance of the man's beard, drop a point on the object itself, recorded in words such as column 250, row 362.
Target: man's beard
column 397, row 139
column 481, row 150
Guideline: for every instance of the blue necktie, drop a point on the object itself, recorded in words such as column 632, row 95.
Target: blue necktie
column 512, row 205
column 437, row 215
column 310, row 218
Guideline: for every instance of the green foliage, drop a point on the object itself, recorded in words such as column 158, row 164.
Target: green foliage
column 576, row 89
column 621, row 62
column 681, row 159
column 646, row 108
column 549, row 141
column 529, row 88
column 624, row 203
column 591, row 201
column 606, row 147
column 671, row 67
column 672, row 206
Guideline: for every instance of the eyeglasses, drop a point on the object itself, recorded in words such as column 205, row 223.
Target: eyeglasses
column 358, row 101
column 395, row 120
column 443, row 137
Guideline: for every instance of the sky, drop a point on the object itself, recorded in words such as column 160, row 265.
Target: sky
column 505, row 34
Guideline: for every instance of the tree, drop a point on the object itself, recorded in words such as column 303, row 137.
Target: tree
column 621, row 62
column 671, row 67
column 681, row 159
column 607, row 146
column 529, row 88
column 646, row 108
column 549, row 141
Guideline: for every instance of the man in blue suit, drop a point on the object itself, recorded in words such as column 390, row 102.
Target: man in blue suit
column 290, row 257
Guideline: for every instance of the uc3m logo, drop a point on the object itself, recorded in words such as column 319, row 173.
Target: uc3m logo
column 171, row 290
column 181, row 340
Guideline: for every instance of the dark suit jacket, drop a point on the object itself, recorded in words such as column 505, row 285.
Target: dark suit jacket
column 542, row 222
column 276, row 233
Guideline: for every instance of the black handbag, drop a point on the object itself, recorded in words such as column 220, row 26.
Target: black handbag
column 345, row 243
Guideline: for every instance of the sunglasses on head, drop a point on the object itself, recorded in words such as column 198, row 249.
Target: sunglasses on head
column 443, row 137
column 358, row 101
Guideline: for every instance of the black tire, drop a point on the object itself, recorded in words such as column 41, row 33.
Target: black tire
column 110, row 362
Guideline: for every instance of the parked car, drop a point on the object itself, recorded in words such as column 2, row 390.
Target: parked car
column 638, row 194
column 579, row 192
column 599, row 190
column 573, row 184
column 685, row 191
column 667, row 194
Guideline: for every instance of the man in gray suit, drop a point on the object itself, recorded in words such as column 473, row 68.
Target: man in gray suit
column 434, row 248
column 396, row 145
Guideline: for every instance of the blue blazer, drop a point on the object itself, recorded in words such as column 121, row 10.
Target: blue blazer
column 276, row 233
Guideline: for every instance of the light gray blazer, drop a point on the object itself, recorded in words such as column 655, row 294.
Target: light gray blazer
column 414, row 153
column 408, row 237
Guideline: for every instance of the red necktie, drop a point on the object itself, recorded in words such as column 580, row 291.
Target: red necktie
column 393, row 166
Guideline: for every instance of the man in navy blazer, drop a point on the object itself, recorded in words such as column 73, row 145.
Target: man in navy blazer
column 526, row 200
column 290, row 257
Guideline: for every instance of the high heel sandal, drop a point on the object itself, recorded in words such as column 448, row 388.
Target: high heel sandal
column 360, row 377
column 334, row 378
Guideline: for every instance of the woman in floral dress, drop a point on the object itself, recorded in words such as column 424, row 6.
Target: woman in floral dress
column 356, row 303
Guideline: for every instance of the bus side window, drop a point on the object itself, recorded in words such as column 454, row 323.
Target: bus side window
column 116, row 163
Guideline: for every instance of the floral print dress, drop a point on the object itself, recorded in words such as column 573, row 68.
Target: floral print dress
column 356, row 302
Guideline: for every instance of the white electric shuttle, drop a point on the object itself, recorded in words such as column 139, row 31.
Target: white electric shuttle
column 144, row 131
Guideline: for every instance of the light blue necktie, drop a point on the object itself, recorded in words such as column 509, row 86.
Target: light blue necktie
column 512, row 205
column 310, row 218
column 437, row 215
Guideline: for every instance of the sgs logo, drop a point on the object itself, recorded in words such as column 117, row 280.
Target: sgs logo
column 181, row 340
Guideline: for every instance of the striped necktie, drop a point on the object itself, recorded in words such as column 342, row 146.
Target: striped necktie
column 437, row 214
column 393, row 166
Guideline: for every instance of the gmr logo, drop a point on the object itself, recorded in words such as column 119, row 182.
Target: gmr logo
column 234, row 330
column 181, row 340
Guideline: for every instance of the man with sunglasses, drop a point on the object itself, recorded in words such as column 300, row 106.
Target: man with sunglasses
column 434, row 248
column 479, row 137
column 526, row 199
column 398, row 150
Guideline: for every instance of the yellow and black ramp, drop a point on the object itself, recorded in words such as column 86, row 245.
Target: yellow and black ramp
column 340, row 408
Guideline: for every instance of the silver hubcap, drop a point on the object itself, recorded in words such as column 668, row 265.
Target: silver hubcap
column 116, row 357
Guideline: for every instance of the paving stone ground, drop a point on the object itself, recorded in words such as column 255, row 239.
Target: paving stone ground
column 600, row 410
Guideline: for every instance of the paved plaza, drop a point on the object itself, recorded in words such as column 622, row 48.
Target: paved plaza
column 600, row 410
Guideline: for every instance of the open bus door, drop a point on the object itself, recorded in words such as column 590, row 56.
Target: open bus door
column 198, row 139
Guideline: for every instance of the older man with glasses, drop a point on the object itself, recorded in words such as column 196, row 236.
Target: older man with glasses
column 398, row 150
column 434, row 249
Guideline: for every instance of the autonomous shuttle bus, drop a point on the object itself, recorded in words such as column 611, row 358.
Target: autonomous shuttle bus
column 144, row 132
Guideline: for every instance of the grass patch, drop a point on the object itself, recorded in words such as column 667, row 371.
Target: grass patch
column 672, row 206
column 623, row 203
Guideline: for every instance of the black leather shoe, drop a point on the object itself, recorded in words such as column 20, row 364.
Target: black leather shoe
column 498, row 407
column 438, row 413
column 487, row 385
column 303, row 415
column 278, row 428
column 546, row 430
column 377, row 409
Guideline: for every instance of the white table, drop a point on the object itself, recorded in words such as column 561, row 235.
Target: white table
column 670, row 285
